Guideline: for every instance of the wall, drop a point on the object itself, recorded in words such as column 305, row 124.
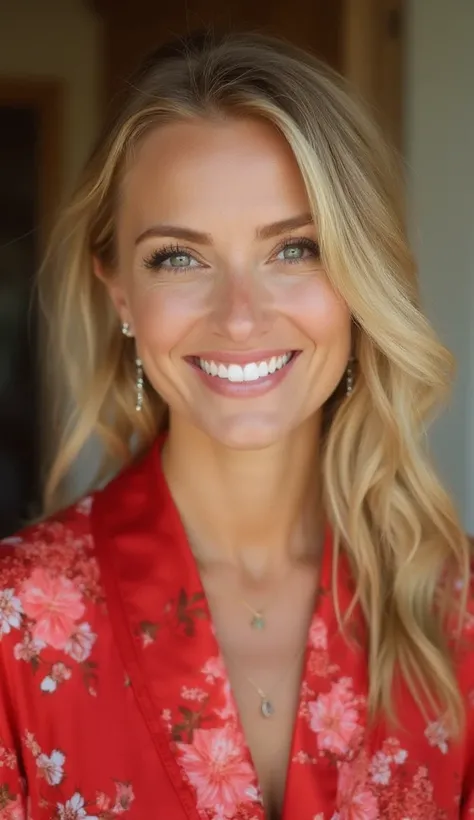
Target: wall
column 439, row 111
column 58, row 39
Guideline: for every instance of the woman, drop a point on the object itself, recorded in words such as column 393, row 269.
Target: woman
column 264, row 615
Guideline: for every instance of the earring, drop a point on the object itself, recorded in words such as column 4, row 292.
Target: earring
column 139, row 385
column 139, row 366
column 350, row 377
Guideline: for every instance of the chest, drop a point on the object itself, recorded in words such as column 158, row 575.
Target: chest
column 166, row 728
column 263, row 642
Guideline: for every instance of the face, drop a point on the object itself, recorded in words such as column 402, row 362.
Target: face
column 220, row 278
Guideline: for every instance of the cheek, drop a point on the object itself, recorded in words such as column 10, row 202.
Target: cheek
column 165, row 315
column 318, row 311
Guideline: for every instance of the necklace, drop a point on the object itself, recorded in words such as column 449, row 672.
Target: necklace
column 267, row 707
column 258, row 620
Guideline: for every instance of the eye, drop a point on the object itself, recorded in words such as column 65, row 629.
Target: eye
column 298, row 250
column 171, row 258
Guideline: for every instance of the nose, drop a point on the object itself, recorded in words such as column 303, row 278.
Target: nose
column 243, row 307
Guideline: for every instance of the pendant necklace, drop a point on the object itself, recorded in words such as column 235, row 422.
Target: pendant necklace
column 258, row 621
column 267, row 708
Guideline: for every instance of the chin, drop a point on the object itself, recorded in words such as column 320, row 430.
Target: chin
column 256, row 432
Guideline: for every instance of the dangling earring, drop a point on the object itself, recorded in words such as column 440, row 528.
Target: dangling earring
column 139, row 384
column 139, row 366
column 350, row 376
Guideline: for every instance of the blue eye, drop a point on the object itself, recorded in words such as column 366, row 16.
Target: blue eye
column 179, row 260
column 170, row 258
column 298, row 250
column 292, row 252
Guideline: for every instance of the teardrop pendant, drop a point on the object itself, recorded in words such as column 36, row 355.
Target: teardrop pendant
column 267, row 708
column 258, row 621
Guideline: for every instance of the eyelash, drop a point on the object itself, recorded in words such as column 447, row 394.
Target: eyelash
column 155, row 260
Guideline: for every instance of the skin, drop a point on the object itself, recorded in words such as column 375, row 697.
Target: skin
column 255, row 533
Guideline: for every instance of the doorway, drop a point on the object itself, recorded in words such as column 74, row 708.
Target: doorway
column 29, row 179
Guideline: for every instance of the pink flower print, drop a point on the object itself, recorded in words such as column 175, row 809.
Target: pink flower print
column 59, row 673
column 392, row 748
column 28, row 648
column 74, row 809
column 8, row 758
column 80, row 643
column 318, row 663
column 214, row 669
column 193, row 694
column 355, row 798
column 31, row 744
column 228, row 712
column 380, row 771
column 123, row 798
column 85, row 505
column 10, row 611
column 215, row 764
column 318, row 634
column 335, row 720
column 51, row 768
column 103, row 802
column 437, row 735
column 54, row 604
column 13, row 811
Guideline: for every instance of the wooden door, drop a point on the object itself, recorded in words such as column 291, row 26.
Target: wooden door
column 362, row 39
column 133, row 28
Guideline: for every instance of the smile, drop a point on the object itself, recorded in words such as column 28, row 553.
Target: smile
column 250, row 372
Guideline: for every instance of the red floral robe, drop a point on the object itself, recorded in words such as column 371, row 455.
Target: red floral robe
column 115, row 699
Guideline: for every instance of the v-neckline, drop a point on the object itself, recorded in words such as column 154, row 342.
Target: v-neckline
column 196, row 583
column 164, row 629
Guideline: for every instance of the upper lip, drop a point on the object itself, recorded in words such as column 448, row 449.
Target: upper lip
column 242, row 356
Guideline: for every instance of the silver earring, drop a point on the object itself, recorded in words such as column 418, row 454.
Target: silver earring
column 350, row 377
column 139, row 366
column 139, row 385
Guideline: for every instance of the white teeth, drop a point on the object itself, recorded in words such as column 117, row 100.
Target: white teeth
column 235, row 373
column 250, row 372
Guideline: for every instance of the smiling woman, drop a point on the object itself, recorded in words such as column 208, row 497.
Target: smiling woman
column 266, row 613
column 229, row 273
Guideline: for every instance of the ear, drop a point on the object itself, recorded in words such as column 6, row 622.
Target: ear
column 115, row 289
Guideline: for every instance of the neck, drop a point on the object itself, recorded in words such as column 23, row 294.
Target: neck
column 259, row 510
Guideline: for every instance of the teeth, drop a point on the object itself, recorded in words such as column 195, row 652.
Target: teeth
column 250, row 372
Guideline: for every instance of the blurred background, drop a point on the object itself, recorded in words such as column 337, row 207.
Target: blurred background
column 62, row 60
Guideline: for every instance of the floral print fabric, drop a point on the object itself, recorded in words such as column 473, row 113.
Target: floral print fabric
column 115, row 700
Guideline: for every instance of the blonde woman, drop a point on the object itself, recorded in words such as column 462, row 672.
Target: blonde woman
column 265, row 615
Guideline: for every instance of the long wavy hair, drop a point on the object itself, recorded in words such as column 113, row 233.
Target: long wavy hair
column 387, row 508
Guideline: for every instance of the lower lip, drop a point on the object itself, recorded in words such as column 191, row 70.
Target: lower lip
column 243, row 390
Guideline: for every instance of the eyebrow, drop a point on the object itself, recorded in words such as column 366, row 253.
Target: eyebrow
column 189, row 235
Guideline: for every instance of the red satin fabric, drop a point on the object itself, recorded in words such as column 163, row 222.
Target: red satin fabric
column 115, row 699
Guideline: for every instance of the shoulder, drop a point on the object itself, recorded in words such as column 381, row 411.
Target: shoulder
column 56, row 544
column 48, row 578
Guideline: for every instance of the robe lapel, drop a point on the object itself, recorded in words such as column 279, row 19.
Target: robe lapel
column 163, row 628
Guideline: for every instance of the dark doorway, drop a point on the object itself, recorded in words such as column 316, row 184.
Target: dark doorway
column 19, row 407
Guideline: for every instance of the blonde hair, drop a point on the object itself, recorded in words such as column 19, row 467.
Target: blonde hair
column 388, row 510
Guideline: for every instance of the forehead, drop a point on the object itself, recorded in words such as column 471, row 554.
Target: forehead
column 215, row 169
